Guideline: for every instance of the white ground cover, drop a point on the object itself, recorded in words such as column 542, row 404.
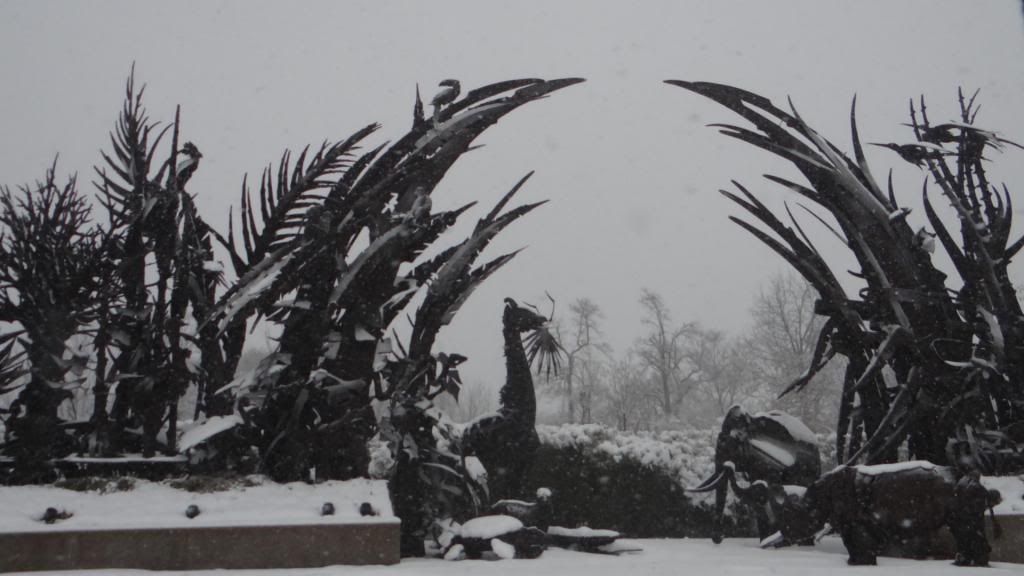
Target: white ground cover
column 1011, row 489
column 658, row 558
column 156, row 505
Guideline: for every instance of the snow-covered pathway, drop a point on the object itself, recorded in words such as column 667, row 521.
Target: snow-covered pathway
column 659, row 558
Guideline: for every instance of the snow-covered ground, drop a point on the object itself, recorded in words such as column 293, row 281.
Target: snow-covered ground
column 659, row 558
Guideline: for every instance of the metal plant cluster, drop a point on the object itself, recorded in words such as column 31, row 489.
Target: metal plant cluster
column 933, row 366
column 334, row 245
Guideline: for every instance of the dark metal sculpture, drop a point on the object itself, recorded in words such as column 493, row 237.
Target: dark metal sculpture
column 330, row 246
column 758, row 455
column 953, row 349
column 873, row 507
column 505, row 442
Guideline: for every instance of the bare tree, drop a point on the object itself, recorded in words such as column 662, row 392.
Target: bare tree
column 585, row 317
column 475, row 399
column 586, row 355
column 591, row 376
column 727, row 374
column 661, row 352
column 781, row 345
column 629, row 402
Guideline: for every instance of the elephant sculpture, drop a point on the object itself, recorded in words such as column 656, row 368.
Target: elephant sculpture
column 762, row 456
column 873, row 507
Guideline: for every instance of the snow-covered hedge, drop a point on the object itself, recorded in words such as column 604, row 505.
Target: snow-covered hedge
column 635, row 483
column 687, row 456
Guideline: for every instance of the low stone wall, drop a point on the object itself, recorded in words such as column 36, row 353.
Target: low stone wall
column 1009, row 547
column 202, row 548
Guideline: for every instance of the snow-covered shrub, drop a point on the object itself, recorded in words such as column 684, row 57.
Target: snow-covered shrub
column 635, row 483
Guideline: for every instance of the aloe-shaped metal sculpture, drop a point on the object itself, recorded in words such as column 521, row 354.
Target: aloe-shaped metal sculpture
column 50, row 270
column 954, row 353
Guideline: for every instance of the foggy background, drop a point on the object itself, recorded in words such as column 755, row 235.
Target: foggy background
column 628, row 163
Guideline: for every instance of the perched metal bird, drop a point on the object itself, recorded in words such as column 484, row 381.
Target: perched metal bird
column 935, row 134
column 925, row 239
column 419, row 212
column 916, row 153
column 449, row 92
column 188, row 162
column 958, row 131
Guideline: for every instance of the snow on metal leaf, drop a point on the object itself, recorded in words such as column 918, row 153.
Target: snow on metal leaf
column 211, row 427
column 253, row 285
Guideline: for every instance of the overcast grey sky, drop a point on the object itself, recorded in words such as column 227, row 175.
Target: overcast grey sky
column 630, row 168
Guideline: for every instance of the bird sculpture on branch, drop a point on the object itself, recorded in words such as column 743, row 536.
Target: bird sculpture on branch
column 450, row 90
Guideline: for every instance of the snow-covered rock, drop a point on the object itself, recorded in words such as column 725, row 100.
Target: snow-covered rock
column 486, row 527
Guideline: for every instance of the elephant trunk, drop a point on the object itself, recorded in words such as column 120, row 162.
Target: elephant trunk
column 711, row 483
column 718, row 530
column 719, row 482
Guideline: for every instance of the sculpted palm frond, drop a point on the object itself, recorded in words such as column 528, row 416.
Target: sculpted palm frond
column 423, row 156
column 456, row 278
column 11, row 368
column 127, row 193
column 285, row 197
column 374, row 270
column 543, row 347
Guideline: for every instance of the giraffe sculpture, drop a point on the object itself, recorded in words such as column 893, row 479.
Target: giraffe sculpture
column 505, row 442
